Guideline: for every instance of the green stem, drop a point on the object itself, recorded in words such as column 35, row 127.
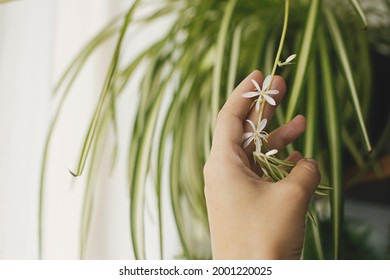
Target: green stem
column 262, row 105
column 278, row 54
column 281, row 43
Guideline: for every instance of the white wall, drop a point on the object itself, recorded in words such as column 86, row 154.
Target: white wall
column 25, row 80
column 37, row 41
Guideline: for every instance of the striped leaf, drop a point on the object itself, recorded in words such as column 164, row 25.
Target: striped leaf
column 311, row 113
column 358, row 9
column 342, row 55
column 303, row 58
column 333, row 132
column 220, row 50
column 106, row 87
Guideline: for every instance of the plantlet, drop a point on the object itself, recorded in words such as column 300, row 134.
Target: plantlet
column 272, row 167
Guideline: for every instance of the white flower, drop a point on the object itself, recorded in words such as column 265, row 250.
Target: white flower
column 271, row 152
column 288, row 60
column 262, row 93
column 256, row 136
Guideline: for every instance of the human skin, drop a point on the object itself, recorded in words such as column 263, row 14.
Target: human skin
column 251, row 217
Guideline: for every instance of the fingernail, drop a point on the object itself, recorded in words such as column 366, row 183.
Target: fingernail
column 311, row 165
column 310, row 160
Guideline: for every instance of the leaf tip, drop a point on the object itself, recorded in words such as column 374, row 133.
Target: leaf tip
column 73, row 173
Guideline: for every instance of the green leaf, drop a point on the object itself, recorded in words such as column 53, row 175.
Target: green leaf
column 153, row 89
column 92, row 178
column 311, row 131
column 168, row 125
column 333, row 123
column 217, row 73
column 342, row 55
column 137, row 194
column 74, row 68
column 364, row 78
column 175, row 190
column 107, row 84
column 70, row 74
column 320, row 193
column 140, row 152
column 324, row 187
column 234, row 55
column 317, row 235
column 358, row 9
column 303, row 58
column 311, row 217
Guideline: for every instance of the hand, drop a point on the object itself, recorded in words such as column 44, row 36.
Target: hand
column 253, row 218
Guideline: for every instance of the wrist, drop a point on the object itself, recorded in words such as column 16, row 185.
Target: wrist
column 240, row 251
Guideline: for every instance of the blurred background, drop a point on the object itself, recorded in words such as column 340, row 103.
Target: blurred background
column 38, row 40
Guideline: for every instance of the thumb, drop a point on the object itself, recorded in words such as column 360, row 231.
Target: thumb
column 305, row 175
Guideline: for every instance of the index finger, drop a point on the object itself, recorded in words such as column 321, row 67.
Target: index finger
column 229, row 126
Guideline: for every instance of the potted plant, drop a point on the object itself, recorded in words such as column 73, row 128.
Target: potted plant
column 209, row 47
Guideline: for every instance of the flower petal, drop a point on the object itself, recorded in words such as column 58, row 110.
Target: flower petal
column 269, row 99
column 262, row 125
column 272, row 91
column 267, row 82
column 271, row 152
column 246, row 135
column 258, row 104
column 256, row 85
column 250, row 94
column 252, row 125
column 247, row 142
column 291, row 58
column 263, row 135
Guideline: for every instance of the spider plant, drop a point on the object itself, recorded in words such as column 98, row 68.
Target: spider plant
column 188, row 73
